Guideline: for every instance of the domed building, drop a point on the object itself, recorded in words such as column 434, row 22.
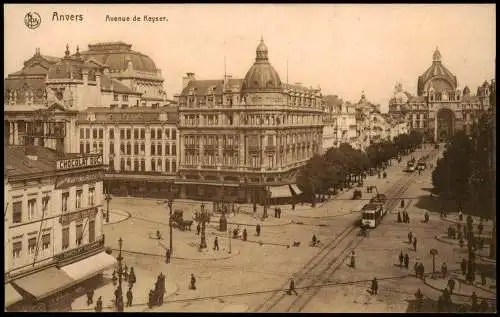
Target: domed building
column 440, row 107
column 246, row 138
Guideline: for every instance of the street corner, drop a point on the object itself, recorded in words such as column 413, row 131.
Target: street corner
column 116, row 216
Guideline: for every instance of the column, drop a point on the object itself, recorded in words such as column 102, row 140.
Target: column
column 16, row 134
column 147, row 148
column 435, row 127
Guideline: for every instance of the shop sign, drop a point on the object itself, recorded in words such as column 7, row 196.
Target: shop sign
column 65, row 181
column 98, row 244
column 78, row 216
column 79, row 162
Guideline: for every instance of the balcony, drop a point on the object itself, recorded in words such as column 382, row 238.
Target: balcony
column 209, row 147
column 254, row 148
column 191, row 146
column 230, row 147
column 270, row 148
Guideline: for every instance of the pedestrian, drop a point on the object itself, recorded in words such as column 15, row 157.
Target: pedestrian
column 399, row 217
column 90, row 296
column 480, row 228
column 292, row 287
column 483, row 278
column 314, row 240
column 407, row 217
column 444, row 270
column 374, row 286
column 410, row 235
column 447, row 298
column 451, row 285
column 460, row 215
column 426, row 217
column 125, row 272
column 193, row 282
column 402, row 203
column 353, row 260
column 463, row 266
column 245, row 234
column 473, row 299
column 158, row 235
column 131, row 277
column 98, row 305
column 198, row 229
column 168, row 254
column 407, row 260
column 151, row 298
column 279, row 212
column 401, row 259
column 422, row 271
column 415, row 243
column 416, row 268
column 257, row 228
column 129, row 297
column 254, row 208
column 216, row 244
column 275, row 212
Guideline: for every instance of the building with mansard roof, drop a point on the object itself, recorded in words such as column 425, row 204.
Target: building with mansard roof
column 440, row 107
column 246, row 138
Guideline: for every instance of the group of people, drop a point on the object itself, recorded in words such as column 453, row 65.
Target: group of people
column 277, row 212
column 128, row 276
column 403, row 217
column 419, row 270
column 404, row 259
column 412, row 240
column 156, row 294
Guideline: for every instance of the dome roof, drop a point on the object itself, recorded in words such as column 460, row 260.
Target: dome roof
column 117, row 55
column 262, row 76
column 436, row 71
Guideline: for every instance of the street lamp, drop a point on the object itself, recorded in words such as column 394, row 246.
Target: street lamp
column 108, row 199
column 169, row 202
column 119, row 293
column 203, row 218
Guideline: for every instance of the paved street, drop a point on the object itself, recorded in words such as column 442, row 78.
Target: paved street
column 258, row 267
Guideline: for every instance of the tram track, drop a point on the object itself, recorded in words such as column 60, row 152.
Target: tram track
column 332, row 258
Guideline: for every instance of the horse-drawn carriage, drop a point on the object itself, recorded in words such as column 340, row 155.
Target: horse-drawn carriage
column 179, row 222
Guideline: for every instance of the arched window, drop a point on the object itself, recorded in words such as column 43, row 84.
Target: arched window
column 136, row 165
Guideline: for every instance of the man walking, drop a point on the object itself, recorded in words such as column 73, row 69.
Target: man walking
column 90, row 297
column 167, row 255
column 193, row 282
column 374, row 286
column 198, row 229
column 407, row 261
column 415, row 243
column 451, row 285
column 98, row 306
column 353, row 260
column 401, row 259
column 257, row 228
column 245, row 234
column 410, row 235
column 216, row 244
column 444, row 270
column 129, row 297
column 292, row 288
column 399, row 217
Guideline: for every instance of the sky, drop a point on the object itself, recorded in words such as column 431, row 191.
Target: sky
column 344, row 49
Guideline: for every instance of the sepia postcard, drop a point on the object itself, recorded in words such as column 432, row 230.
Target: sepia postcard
column 319, row 158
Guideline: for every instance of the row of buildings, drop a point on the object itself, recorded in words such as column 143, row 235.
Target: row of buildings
column 98, row 121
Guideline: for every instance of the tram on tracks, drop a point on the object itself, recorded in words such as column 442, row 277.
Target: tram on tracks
column 372, row 214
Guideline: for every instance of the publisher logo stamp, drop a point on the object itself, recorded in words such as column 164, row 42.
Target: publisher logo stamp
column 32, row 20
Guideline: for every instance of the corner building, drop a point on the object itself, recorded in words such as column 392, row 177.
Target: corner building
column 245, row 139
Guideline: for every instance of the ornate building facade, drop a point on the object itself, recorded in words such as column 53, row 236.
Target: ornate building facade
column 440, row 107
column 246, row 138
column 106, row 100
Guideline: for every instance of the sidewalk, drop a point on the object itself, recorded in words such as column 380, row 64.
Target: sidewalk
column 140, row 291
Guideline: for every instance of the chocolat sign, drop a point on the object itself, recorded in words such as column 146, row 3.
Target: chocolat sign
column 79, row 162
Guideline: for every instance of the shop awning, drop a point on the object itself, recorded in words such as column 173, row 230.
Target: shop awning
column 89, row 267
column 280, row 191
column 11, row 295
column 44, row 283
column 296, row 189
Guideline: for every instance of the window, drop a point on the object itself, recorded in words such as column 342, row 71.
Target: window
column 159, row 149
column 79, row 234
column 270, row 140
column 101, row 133
column 153, row 149
column 143, row 134
column 87, row 133
column 111, row 148
column 31, row 208
column 45, row 241
column 65, row 197
column 78, row 201
column 125, row 97
column 45, row 203
column 153, row 134
column 94, row 133
column 167, row 149
column 111, row 164
column 159, row 165
column 129, row 134
column 136, row 165
column 158, row 135
column 174, row 134
column 122, row 164
column 167, row 165
column 16, row 249
column 91, row 231
column 115, row 97
column 136, row 133
column 31, row 246
column 143, row 148
column 122, row 148
column 82, row 147
column 174, row 166
column 65, row 238
column 87, row 147
column 153, row 167
column 143, row 165
column 111, row 133
column 129, row 148
column 82, row 131
column 136, row 149
column 17, row 213
column 167, row 132
column 91, row 196
column 122, row 134
column 174, row 149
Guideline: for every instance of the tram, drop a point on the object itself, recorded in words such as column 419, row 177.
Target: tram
column 371, row 215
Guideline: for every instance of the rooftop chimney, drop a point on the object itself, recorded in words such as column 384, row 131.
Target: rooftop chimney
column 187, row 79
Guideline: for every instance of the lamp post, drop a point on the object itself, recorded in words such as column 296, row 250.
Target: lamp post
column 203, row 218
column 119, row 293
column 108, row 199
column 169, row 202
column 229, row 237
